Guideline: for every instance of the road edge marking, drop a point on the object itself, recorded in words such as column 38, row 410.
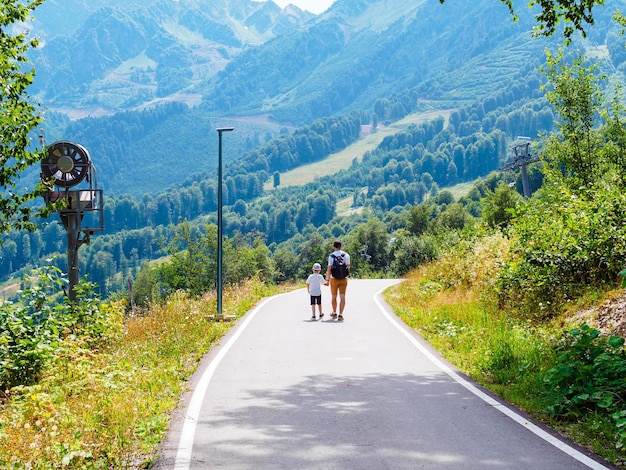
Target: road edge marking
column 187, row 435
column 569, row 450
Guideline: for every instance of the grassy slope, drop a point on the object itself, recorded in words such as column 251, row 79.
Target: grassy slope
column 342, row 160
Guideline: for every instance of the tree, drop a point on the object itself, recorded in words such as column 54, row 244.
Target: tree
column 499, row 206
column 314, row 250
column 18, row 117
column 418, row 219
column 454, row 217
column 370, row 239
column 575, row 14
column 591, row 143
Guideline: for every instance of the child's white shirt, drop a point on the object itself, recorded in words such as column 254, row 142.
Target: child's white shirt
column 315, row 281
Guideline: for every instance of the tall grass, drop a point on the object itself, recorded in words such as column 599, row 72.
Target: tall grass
column 110, row 408
column 484, row 343
column 452, row 305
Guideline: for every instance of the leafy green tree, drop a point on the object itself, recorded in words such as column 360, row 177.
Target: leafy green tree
column 192, row 265
column 498, row 206
column 286, row 264
column 455, row 216
column 418, row 219
column 146, row 286
column 314, row 250
column 591, row 142
column 18, row 117
column 372, row 239
column 411, row 252
column 9, row 253
column 575, row 97
column 240, row 207
column 575, row 14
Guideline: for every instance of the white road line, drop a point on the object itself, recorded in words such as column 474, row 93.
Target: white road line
column 185, row 445
column 569, row 450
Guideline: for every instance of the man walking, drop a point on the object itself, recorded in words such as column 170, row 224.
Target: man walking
column 337, row 274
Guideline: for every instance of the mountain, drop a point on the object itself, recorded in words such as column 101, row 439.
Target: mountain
column 359, row 52
column 116, row 55
column 152, row 80
column 247, row 57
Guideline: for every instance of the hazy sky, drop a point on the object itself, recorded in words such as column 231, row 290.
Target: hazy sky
column 314, row 6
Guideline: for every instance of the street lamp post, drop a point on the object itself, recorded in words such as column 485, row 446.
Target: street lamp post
column 220, row 130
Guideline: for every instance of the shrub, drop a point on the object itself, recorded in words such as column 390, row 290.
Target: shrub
column 472, row 261
column 588, row 376
column 32, row 328
column 412, row 252
column 563, row 244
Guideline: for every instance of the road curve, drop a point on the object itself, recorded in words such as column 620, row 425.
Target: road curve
column 284, row 392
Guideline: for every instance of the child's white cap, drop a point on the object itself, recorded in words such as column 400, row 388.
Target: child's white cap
column 317, row 267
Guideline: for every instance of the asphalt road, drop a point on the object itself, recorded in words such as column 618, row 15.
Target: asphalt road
column 284, row 392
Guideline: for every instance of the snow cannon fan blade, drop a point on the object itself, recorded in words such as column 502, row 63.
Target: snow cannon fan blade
column 66, row 162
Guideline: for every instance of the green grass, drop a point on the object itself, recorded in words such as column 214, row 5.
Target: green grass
column 344, row 206
column 460, row 190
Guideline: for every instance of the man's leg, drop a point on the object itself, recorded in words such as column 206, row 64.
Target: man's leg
column 333, row 296
column 341, row 288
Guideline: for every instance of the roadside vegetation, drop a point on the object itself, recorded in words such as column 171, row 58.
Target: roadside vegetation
column 88, row 387
column 563, row 371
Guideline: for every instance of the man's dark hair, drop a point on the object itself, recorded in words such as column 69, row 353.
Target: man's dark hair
column 337, row 244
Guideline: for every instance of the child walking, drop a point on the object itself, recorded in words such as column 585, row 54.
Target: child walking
column 314, row 286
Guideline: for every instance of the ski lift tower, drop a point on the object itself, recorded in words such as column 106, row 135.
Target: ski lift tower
column 68, row 164
column 521, row 159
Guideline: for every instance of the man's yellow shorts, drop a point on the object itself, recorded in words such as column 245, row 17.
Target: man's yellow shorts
column 338, row 285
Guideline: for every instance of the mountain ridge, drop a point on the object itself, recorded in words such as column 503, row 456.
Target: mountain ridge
column 180, row 39
column 437, row 56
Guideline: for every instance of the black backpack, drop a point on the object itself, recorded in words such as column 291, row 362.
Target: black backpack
column 339, row 269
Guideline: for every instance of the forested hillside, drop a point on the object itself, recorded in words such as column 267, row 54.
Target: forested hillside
column 404, row 170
